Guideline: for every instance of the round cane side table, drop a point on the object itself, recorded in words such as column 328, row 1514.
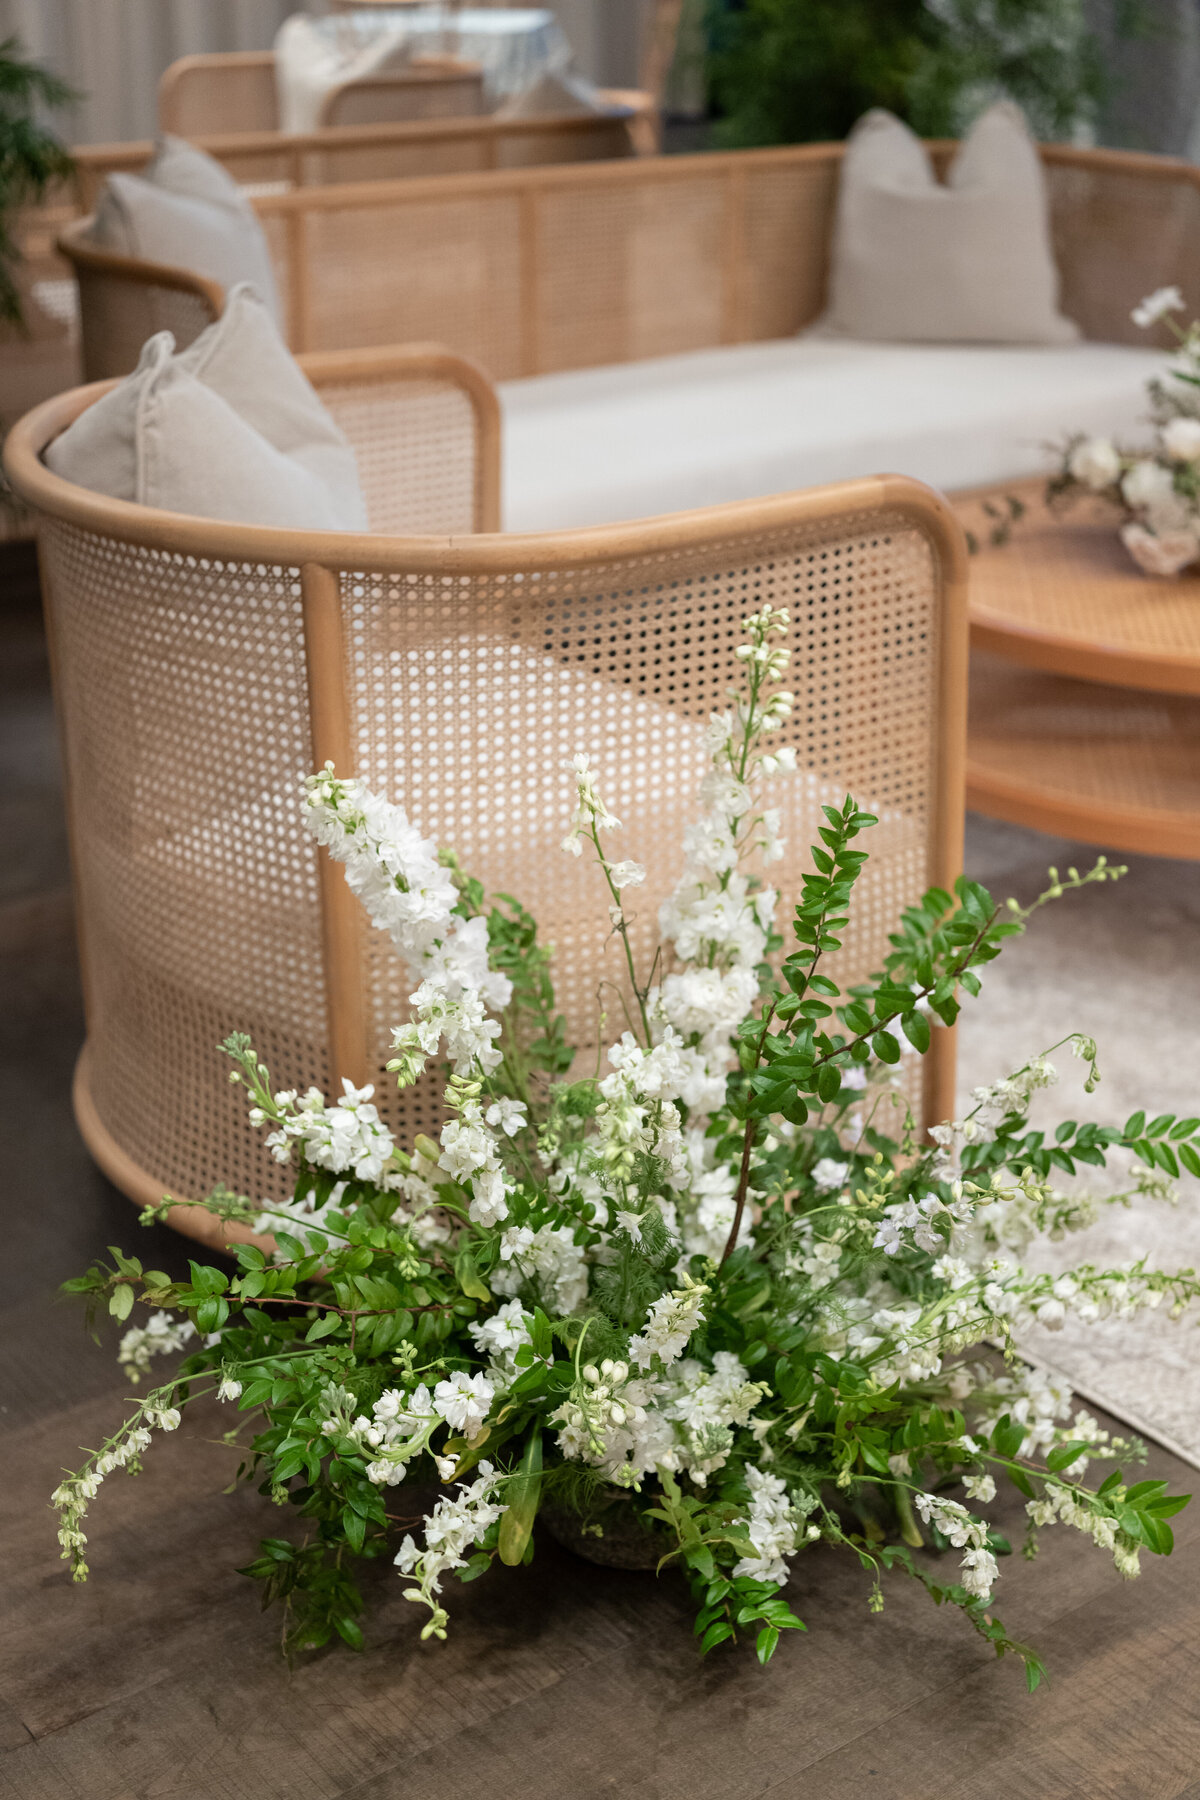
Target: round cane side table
column 1085, row 684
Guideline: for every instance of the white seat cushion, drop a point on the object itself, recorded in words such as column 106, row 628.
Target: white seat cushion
column 594, row 446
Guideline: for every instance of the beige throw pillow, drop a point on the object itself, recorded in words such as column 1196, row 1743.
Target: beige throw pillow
column 965, row 262
column 231, row 429
column 187, row 211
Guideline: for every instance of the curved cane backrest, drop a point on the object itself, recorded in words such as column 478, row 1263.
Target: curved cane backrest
column 383, row 152
column 404, row 95
column 230, row 90
column 123, row 301
column 202, row 668
column 534, row 270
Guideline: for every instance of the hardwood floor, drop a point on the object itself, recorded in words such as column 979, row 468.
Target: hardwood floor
column 161, row 1677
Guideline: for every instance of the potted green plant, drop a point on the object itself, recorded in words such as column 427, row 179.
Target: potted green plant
column 795, row 71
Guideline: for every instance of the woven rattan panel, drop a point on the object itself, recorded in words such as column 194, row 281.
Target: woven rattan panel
column 1118, row 236
column 785, row 228
column 118, row 316
column 1087, row 744
column 414, row 442
column 182, row 689
column 213, row 94
column 405, row 95
column 559, row 276
column 444, row 270
column 471, row 695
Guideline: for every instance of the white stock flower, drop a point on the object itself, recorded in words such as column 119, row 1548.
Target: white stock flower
column 1147, row 484
column 1095, row 462
column 828, row 1175
column 1181, row 439
column 670, row 1322
column 161, row 1335
column 1156, row 306
column 626, row 874
column 463, row 1401
column 773, row 1526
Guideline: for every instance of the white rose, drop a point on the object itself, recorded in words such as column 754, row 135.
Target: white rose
column 1148, row 484
column 1181, row 440
column 1165, row 555
column 1095, row 463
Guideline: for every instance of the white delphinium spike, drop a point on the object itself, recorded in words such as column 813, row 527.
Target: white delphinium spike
column 979, row 1570
column 410, row 894
column 161, row 1335
column 451, row 1529
column 591, row 814
column 774, row 1525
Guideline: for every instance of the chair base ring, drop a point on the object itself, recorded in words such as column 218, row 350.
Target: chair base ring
column 134, row 1182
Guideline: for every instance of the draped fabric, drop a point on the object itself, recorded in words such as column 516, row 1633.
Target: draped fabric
column 115, row 50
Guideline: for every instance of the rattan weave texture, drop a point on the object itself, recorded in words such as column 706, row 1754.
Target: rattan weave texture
column 202, row 669
column 541, row 269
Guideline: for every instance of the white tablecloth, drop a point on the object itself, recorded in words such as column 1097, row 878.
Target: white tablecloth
column 514, row 46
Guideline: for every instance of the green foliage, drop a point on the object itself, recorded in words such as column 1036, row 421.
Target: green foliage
column 732, row 1333
column 798, row 71
column 31, row 158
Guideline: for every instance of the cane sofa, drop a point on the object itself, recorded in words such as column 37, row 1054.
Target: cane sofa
column 235, row 91
column 202, row 668
column 274, row 161
column 643, row 318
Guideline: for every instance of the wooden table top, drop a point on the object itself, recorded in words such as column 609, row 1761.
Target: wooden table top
column 1063, row 595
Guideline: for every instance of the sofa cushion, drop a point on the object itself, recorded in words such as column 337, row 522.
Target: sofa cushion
column 969, row 260
column 593, row 446
column 229, row 429
column 187, row 211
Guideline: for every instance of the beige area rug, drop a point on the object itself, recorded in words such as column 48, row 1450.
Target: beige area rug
column 1120, row 962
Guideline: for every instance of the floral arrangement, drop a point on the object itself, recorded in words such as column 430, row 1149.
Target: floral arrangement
column 716, row 1297
column 1157, row 490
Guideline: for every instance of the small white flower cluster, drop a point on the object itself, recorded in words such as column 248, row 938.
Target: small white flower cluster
column 1157, row 488
column 72, row 1497
column 670, row 1322
column 601, row 1401
column 347, row 1138
column 159, row 1336
column 470, row 1152
column 499, row 1337
column 401, row 1425
column 452, row 1528
column 978, row 1568
column 682, row 1420
column 914, row 1221
column 1057, row 1503
column 592, row 815
column 410, row 894
column 775, row 1525
column 704, row 1204
column 547, row 1262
